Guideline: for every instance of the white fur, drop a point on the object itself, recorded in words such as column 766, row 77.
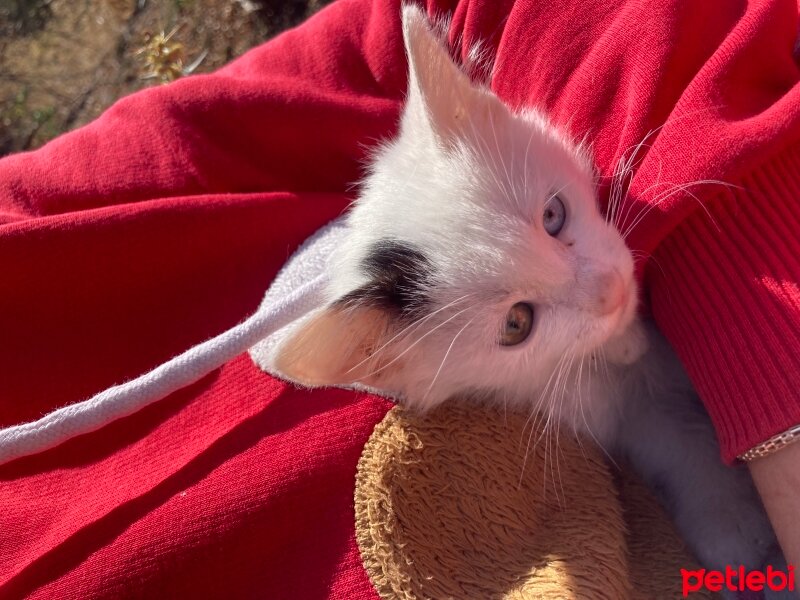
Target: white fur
column 465, row 182
column 472, row 203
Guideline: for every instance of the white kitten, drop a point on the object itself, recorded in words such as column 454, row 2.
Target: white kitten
column 478, row 264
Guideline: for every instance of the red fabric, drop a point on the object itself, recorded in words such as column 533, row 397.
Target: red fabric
column 163, row 222
column 236, row 487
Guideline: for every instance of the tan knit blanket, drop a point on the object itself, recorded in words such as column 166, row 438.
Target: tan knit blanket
column 448, row 506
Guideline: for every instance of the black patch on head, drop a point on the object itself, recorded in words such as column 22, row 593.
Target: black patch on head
column 397, row 274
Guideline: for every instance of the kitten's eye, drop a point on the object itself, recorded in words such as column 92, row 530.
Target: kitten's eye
column 517, row 327
column 555, row 214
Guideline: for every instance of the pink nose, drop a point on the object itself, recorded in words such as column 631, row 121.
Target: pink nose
column 611, row 292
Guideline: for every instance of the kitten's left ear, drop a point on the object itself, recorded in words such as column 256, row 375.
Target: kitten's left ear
column 440, row 95
column 338, row 346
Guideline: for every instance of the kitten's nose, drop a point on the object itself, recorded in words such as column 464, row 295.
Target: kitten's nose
column 611, row 292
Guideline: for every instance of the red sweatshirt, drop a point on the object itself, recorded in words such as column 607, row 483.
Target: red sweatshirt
column 161, row 224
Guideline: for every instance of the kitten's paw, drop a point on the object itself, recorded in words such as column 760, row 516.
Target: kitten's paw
column 728, row 531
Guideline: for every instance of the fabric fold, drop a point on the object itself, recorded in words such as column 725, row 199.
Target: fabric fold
column 724, row 288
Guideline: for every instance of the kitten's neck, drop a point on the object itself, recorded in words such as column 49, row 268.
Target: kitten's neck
column 629, row 346
column 616, row 372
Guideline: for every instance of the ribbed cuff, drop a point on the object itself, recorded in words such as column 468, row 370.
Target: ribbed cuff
column 726, row 293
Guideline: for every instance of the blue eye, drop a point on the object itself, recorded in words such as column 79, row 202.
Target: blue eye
column 554, row 216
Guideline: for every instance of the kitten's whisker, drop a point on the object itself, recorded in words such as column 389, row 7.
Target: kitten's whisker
column 579, row 391
column 629, row 165
column 411, row 347
column 557, row 456
column 664, row 196
column 537, row 413
column 648, row 257
column 500, row 154
column 446, row 354
column 560, row 419
column 624, row 215
column 630, row 171
column 416, row 323
column 594, row 437
column 617, row 190
column 649, row 206
column 656, row 184
column 488, row 156
column 525, row 188
column 579, row 404
column 540, row 400
column 599, row 350
column 558, row 373
column 624, row 167
column 547, row 442
column 557, row 192
column 668, row 121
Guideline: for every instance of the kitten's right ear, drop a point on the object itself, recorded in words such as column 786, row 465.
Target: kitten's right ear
column 440, row 96
column 338, row 346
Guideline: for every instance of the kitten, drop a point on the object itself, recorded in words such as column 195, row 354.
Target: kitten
column 477, row 264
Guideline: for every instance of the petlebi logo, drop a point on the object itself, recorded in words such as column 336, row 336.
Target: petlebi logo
column 738, row 580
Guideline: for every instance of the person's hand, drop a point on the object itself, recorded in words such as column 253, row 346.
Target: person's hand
column 777, row 477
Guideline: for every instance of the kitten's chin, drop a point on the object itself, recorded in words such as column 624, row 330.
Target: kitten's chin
column 626, row 341
column 628, row 346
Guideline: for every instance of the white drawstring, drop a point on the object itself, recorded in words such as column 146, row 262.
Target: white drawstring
column 127, row 398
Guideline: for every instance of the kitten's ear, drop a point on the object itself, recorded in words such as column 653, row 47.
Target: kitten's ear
column 338, row 347
column 440, row 95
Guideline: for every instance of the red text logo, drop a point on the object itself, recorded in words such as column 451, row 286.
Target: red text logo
column 737, row 580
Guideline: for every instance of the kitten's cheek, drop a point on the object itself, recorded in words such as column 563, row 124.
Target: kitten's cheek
column 385, row 368
column 631, row 304
column 383, row 371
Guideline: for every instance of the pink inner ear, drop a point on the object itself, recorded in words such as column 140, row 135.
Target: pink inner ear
column 442, row 91
column 337, row 347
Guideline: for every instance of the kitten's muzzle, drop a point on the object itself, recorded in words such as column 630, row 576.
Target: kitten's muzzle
column 610, row 292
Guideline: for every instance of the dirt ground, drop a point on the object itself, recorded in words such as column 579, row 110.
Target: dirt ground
column 62, row 62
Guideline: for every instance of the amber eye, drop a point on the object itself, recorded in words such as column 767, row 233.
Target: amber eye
column 517, row 326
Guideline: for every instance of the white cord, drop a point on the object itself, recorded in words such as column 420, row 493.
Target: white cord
column 127, row 398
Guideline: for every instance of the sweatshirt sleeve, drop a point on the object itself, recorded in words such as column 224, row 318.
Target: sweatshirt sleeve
column 693, row 109
column 727, row 297
column 724, row 280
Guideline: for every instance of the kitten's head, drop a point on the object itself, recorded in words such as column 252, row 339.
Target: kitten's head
column 478, row 258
